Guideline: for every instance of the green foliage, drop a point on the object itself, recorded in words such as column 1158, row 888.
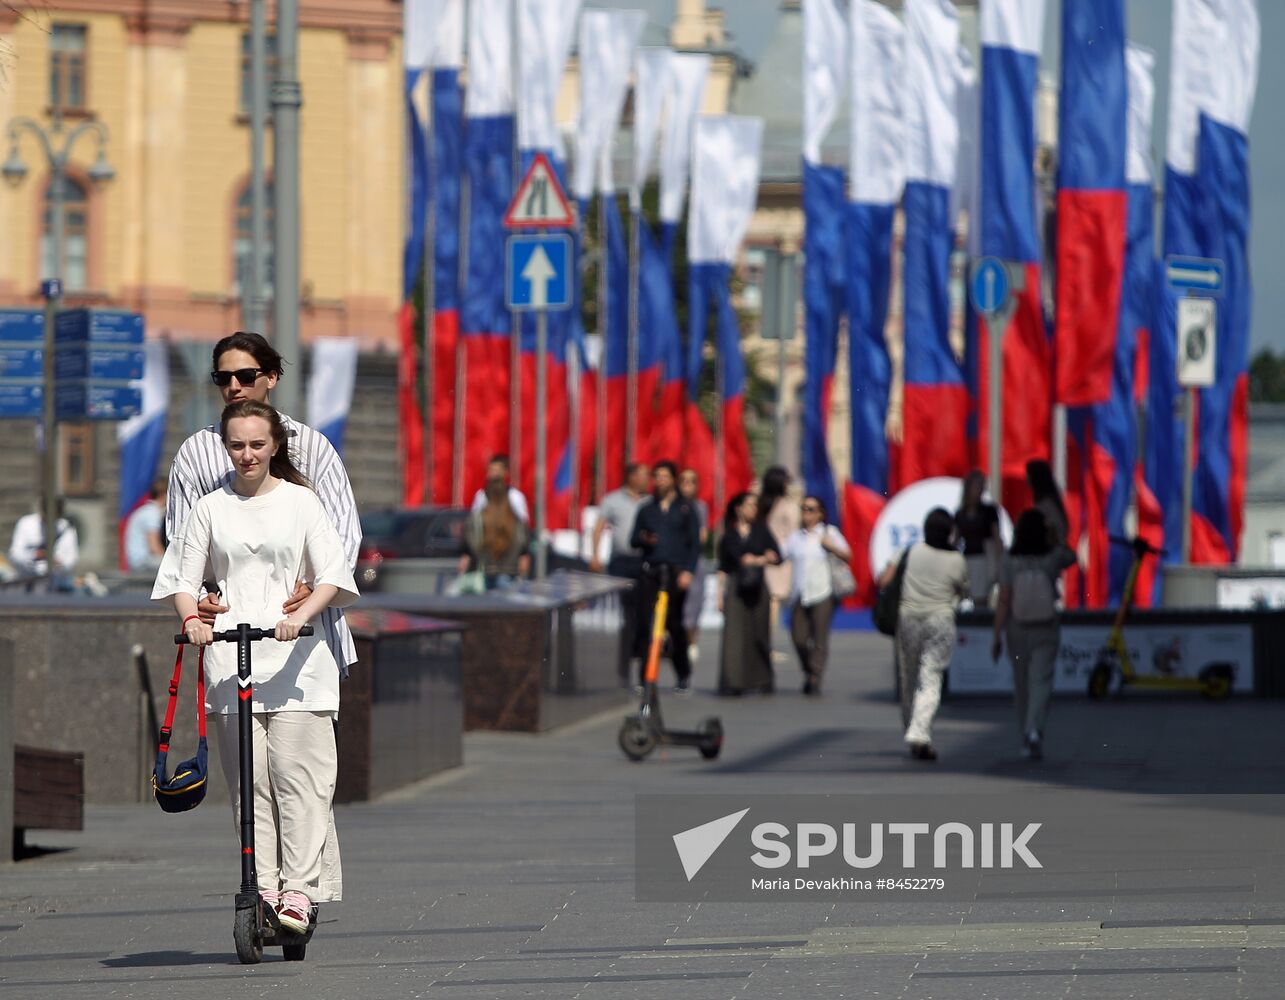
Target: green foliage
column 1267, row 377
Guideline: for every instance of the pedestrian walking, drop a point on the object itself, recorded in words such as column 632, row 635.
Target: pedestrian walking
column 935, row 580
column 497, row 542
column 812, row 600
column 745, row 551
column 689, row 488
column 977, row 529
column 1047, row 499
column 1027, row 615
column 258, row 535
column 498, row 465
column 667, row 532
column 616, row 514
column 780, row 512
column 246, row 367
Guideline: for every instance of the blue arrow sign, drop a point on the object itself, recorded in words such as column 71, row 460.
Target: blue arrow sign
column 538, row 272
column 989, row 287
column 1194, row 274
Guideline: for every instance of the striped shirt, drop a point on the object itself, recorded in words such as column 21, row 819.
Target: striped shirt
column 202, row 466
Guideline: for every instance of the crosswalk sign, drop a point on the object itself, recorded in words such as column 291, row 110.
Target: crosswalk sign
column 540, row 202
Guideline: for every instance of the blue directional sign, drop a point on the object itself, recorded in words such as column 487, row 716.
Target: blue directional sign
column 111, row 363
column 26, row 326
column 98, row 326
column 989, row 287
column 21, row 362
column 81, row 399
column 22, row 400
column 538, row 273
column 1195, row 274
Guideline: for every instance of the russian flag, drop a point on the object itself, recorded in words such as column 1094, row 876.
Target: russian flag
column 876, row 179
column 616, row 338
column 1093, row 369
column 935, row 402
column 488, row 158
column 1113, row 447
column 681, row 434
column 658, row 323
column 825, row 72
column 330, row 387
column 141, row 437
column 446, row 167
column 1011, row 31
column 1206, row 214
column 725, row 175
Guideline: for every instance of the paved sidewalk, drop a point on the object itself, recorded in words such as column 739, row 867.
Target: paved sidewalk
column 513, row 876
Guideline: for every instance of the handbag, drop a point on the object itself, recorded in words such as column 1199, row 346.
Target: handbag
column 186, row 788
column 842, row 583
column 749, row 582
column 888, row 602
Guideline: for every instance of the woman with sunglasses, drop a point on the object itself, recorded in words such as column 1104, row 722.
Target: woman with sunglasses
column 808, row 551
column 246, row 367
column 258, row 535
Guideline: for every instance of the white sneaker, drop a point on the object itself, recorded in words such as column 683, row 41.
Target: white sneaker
column 693, row 653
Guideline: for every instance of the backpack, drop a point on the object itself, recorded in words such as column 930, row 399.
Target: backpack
column 1034, row 594
column 888, row 601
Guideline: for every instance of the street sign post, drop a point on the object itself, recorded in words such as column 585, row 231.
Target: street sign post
column 538, row 278
column 1197, row 322
column 1202, row 275
column 991, row 289
column 22, row 363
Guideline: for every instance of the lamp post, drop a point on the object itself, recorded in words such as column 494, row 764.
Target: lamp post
column 57, row 155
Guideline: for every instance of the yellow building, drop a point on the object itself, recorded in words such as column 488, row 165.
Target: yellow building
column 166, row 237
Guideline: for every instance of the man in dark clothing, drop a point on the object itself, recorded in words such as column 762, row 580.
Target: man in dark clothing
column 667, row 532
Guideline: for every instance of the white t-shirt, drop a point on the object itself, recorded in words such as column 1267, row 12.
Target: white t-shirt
column 29, row 537
column 517, row 500
column 810, row 564
column 935, row 580
column 257, row 548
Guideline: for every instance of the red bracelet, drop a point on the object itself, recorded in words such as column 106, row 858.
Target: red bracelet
column 188, row 619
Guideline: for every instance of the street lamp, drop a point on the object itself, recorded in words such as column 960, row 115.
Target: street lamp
column 14, row 170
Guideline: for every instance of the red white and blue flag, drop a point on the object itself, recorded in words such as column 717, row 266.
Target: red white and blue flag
column 725, row 175
column 141, row 437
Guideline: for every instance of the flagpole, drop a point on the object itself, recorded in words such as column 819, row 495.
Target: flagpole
column 604, row 331
column 461, row 355
column 428, row 316
column 515, row 319
column 631, row 393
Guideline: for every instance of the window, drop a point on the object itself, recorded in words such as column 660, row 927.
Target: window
column 75, row 250
column 241, row 242
column 67, row 66
column 271, row 45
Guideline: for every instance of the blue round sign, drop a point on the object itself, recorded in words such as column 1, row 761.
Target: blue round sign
column 989, row 287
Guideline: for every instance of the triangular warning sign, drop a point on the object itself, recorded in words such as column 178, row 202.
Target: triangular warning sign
column 540, row 202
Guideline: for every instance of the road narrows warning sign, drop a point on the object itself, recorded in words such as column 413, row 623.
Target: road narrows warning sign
column 540, row 202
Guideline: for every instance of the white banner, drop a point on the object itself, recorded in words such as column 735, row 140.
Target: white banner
column 490, row 59
column 607, row 43
column 1175, row 650
column 651, row 81
column 545, row 33
column 1140, row 64
column 686, row 93
column 725, row 181
column 932, row 79
column 825, row 62
column 330, row 389
column 877, row 156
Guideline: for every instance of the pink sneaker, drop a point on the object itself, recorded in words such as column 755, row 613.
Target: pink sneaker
column 295, row 910
column 271, row 898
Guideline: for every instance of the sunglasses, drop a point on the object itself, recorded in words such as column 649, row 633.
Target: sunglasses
column 810, row 508
column 245, row 376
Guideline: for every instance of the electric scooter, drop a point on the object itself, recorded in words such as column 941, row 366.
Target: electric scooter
column 255, row 925
column 1115, row 666
column 640, row 734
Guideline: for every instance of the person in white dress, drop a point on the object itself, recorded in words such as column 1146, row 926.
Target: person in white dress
column 257, row 536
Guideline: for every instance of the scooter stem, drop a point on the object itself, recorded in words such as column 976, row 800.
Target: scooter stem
column 245, row 728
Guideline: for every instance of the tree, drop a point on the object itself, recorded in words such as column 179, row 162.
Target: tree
column 1267, row 377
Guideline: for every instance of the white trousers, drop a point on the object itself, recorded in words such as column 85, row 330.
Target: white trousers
column 924, row 647
column 295, row 768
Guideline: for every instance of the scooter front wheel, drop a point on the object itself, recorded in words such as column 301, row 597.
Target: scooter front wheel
column 637, row 739
column 711, row 735
column 245, row 932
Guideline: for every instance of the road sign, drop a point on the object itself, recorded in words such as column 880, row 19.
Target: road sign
column 1194, row 274
column 989, row 288
column 22, row 400
column 98, row 326
column 540, row 202
column 82, row 399
column 22, row 362
column 25, row 326
column 538, row 272
column 87, row 361
column 1197, row 327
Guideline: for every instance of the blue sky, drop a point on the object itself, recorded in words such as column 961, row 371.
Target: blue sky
column 752, row 23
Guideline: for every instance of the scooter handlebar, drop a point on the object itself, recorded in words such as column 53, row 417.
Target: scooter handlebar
column 233, row 635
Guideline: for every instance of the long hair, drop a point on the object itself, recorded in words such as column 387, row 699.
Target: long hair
column 733, row 508
column 975, row 481
column 1043, row 486
column 280, row 465
column 775, row 483
column 1030, row 534
column 499, row 523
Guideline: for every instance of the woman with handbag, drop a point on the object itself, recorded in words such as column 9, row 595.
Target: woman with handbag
column 934, row 580
column 813, row 551
column 746, row 548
